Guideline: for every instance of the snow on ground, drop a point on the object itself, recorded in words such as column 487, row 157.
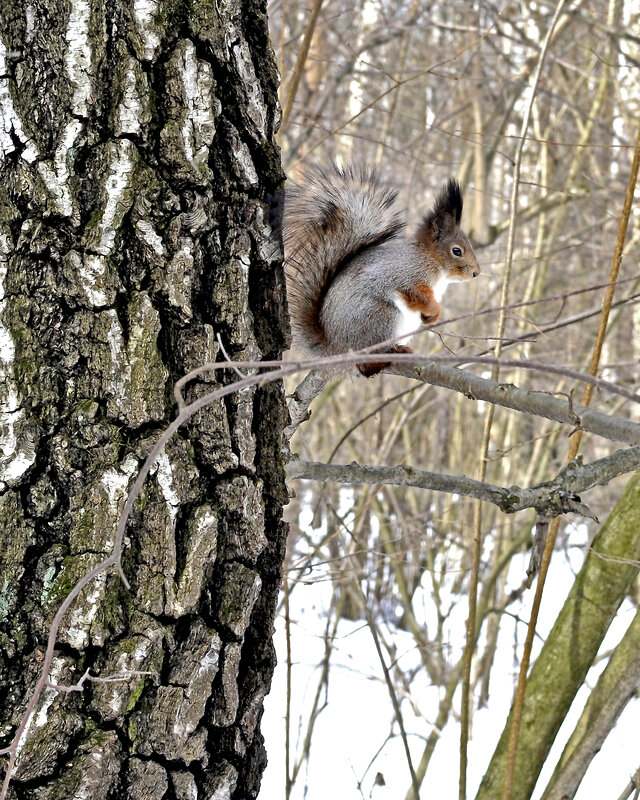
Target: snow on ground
column 350, row 743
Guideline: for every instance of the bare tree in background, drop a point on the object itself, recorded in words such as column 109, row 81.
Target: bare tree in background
column 136, row 159
column 424, row 92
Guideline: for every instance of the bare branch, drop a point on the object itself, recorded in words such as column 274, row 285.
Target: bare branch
column 509, row 396
column 479, row 388
column 437, row 373
column 549, row 499
column 301, row 399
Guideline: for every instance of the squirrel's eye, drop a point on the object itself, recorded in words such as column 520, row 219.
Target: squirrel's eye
column 456, row 251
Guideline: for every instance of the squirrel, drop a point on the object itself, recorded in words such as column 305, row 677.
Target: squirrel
column 350, row 283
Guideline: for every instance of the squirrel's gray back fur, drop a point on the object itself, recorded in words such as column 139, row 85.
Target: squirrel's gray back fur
column 349, row 285
column 336, row 215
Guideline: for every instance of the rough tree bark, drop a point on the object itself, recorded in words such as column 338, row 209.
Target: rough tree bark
column 137, row 156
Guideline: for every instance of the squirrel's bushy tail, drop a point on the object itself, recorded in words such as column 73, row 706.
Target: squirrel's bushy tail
column 332, row 216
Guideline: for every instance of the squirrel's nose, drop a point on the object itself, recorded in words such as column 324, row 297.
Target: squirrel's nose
column 476, row 272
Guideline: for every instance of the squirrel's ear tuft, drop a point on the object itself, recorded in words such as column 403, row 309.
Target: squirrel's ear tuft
column 445, row 215
column 449, row 200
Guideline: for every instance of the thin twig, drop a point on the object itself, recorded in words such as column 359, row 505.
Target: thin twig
column 518, row 704
column 562, row 296
column 632, row 787
column 115, row 678
column 287, row 717
column 294, row 82
column 488, row 421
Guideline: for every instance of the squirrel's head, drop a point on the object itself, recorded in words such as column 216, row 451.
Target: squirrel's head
column 441, row 236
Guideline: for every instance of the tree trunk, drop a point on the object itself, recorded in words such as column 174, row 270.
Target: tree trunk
column 137, row 157
column 570, row 649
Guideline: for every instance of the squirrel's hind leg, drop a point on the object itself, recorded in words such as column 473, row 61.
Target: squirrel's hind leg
column 369, row 370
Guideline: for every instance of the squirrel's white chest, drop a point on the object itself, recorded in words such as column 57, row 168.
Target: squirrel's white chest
column 407, row 321
column 440, row 287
